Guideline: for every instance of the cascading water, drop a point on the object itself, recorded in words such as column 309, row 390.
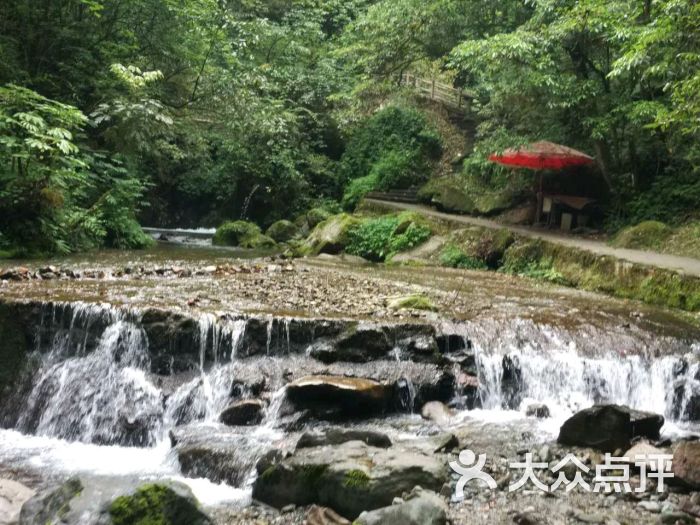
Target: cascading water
column 103, row 397
column 566, row 381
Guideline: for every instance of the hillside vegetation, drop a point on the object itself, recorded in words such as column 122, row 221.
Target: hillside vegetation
column 198, row 113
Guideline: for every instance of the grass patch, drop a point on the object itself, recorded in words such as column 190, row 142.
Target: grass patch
column 356, row 479
column 413, row 302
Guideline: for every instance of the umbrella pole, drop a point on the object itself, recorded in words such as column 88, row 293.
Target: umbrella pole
column 540, row 202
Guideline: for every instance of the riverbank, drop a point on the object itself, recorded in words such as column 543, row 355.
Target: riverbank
column 654, row 278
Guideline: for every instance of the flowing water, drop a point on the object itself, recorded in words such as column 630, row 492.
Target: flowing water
column 95, row 408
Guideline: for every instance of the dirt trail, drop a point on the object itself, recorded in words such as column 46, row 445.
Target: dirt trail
column 676, row 263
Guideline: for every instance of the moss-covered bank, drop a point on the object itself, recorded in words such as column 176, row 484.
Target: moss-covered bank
column 599, row 273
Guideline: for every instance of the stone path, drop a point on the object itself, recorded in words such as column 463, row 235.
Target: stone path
column 676, row 263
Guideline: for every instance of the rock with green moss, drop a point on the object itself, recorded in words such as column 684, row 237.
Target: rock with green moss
column 243, row 234
column 316, row 216
column 350, row 478
column 645, row 235
column 413, row 302
column 282, row 231
column 158, row 504
column 330, row 236
column 447, row 193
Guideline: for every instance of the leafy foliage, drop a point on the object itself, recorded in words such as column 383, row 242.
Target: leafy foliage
column 55, row 196
column 379, row 239
column 453, row 257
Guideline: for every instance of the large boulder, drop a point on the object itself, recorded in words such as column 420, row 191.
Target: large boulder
column 282, row 231
column 113, row 501
column 216, row 452
column 686, row 463
column 164, row 504
column 330, row 236
column 422, row 507
column 336, row 436
column 349, row 478
column 340, row 396
column 12, row 496
column 609, row 427
column 245, row 412
column 447, row 193
column 243, row 234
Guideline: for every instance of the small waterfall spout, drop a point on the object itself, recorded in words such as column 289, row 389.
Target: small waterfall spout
column 103, row 397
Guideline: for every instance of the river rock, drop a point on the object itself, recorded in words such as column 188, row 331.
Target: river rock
column 163, row 503
column 50, row 505
column 643, row 451
column 241, row 413
column 329, row 236
column 538, row 410
column 324, row 516
column 344, row 396
column 686, row 463
column 422, row 507
column 216, row 452
column 437, row 412
column 609, row 427
column 349, row 478
column 12, row 496
column 336, row 436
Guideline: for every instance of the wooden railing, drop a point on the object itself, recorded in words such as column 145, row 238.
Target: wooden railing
column 439, row 92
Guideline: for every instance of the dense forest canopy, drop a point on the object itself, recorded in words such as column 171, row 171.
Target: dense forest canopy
column 116, row 113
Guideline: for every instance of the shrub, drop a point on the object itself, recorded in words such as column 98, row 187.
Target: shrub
column 390, row 129
column 357, row 189
column 398, row 170
column 379, row 239
column 647, row 234
column 452, row 257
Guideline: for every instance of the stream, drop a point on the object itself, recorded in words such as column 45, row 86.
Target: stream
column 98, row 402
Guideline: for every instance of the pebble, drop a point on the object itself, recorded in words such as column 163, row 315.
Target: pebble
column 651, row 506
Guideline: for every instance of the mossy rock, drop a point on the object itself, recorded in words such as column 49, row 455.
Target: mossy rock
column 234, row 233
column 447, row 193
column 413, row 302
column 282, row 231
column 330, row 236
column 243, row 234
column 316, row 216
column 259, row 242
column 647, row 234
column 157, row 504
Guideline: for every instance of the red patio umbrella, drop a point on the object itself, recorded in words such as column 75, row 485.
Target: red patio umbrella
column 542, row 155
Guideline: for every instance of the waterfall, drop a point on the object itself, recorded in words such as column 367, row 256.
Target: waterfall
column 205, row 396
column 104, row 393
column 566, row 381
column 103, row 397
